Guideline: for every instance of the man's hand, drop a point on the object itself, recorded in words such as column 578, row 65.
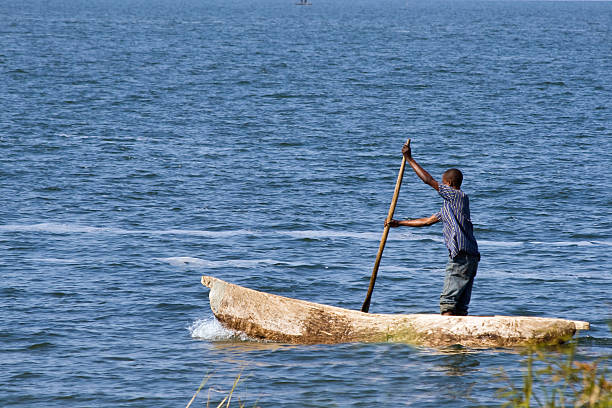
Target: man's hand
column 392, row 223
column 406, row 151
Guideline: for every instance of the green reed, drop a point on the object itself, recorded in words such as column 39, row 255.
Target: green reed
column 554, row 378
column 225, row 403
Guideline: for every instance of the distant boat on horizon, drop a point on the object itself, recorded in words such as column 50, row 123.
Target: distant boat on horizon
column 303, row 3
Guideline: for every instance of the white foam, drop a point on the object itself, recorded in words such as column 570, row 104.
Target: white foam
column 211, row 329
column 419, row 237
column 71, row 136
column 184, row 261
column 500, row 243
column 330, row 234
column 201, row 233
column 368, row 236
column 57, row 260
column 58, row 228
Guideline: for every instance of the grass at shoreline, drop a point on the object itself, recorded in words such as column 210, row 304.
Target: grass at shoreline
column 227, row 400
column 555, row 377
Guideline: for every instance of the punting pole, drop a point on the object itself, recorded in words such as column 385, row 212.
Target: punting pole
column 383, row 240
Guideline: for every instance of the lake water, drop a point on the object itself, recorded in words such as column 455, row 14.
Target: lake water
column 146, row 143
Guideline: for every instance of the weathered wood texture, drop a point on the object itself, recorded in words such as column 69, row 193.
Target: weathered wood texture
column 271, row 317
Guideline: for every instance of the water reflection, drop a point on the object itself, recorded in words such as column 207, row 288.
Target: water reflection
column 457, row 360
column 249, row 346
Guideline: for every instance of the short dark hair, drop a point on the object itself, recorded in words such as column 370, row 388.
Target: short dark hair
column 454, row 177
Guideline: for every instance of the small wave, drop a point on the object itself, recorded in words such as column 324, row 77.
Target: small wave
column 211, row 329
column 551, row 83
column 544, row 243
column 25, row 375
column 56, row 260
column 281, row 95
column 500, row 243
column 418, row 237
column 59, row 294
column 184, row 261
column 565, row 243
column 202, row 233
column 72, row 136
column 58, row 228
column 238, row 263
column 369, row 236
column 55, row 228
column 331, row 234
column 43, row 345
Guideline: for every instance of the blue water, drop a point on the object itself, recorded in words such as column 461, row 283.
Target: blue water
column 146, row 143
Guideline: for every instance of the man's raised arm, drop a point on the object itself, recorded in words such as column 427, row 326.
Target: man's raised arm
column 421, row 172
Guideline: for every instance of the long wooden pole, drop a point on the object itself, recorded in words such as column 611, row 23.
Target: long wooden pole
column 383, row 240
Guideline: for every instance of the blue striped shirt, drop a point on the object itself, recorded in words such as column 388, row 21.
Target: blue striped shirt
column 455, row 215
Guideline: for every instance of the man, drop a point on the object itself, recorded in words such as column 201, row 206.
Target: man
column 458, row 237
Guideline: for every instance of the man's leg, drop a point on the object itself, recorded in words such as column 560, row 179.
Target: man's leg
column 466, row 295
column 458, row 281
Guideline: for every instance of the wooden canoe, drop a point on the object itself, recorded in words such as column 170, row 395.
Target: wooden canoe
column 276, row 318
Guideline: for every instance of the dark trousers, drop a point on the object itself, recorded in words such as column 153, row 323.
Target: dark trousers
column 458, row 281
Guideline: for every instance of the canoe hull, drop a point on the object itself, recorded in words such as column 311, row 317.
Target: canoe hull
column 276, row 318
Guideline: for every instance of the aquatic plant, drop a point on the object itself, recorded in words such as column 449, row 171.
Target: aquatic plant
column 204, row 381
column 554, row 378
column 225, row 403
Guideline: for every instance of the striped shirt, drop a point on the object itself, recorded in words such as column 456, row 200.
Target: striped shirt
column 455, row 215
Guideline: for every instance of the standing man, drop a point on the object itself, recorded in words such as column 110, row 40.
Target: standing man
column 458, row 237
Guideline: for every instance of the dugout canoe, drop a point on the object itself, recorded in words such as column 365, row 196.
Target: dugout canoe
column 276, row 318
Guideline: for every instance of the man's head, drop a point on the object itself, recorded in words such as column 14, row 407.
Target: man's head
column 453, row 178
